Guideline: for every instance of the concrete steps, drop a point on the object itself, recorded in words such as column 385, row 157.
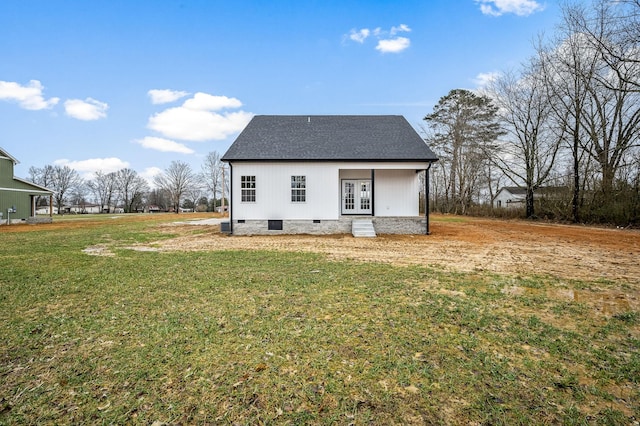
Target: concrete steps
column 363, row 228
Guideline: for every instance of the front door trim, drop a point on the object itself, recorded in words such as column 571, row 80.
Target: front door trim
column 356, row 197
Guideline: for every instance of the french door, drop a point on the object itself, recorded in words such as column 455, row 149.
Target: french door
column 356, row 196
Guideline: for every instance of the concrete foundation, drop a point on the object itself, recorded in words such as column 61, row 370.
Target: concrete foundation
column 35, row 220
column 382, row 225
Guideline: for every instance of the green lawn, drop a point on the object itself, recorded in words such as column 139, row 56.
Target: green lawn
column 258, row 337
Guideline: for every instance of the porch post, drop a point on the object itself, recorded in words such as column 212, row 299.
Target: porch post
column 230, row 198
column 426, row 196
column 373, row 200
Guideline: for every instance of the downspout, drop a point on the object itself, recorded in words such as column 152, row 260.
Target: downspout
column 230, row 198
column 373, row 200
column 426, row 196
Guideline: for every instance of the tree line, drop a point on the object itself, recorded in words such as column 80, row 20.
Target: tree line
column 177, row 187
column 565, row 125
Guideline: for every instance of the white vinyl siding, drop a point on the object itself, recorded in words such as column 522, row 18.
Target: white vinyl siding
column 506, row 199
column 298, row 189
column 248, row 189
column 274, row 185
column 395, row 187
column 397, row 193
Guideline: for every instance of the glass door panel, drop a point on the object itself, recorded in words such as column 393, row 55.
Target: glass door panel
column 356, row 196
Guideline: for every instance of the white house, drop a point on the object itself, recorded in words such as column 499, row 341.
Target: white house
column 324, row 174
column 86, row 208
column 514, row 197
column 510, row 197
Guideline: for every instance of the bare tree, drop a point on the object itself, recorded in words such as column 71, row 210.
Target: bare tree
column 528, row 154
column 104, row 187
column 159, row 198
column 612, row 120
column 567, row 73
column 597, row 106
column 79, row 196
column 612, row 28
column 612, row 113
column 213, row 174
column 64, row 181
column 132, row 187
column 43, row 177
column 196, row 190
column 177, row 179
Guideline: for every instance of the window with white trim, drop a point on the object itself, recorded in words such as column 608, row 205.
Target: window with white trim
column 298, row 189
column 248, row 189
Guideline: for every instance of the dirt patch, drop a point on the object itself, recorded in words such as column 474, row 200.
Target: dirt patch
column 98, row 250
column 468, row 244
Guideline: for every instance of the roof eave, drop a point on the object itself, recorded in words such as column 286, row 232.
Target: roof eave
column 39, row 187
column 5, row 154
column 328, row 160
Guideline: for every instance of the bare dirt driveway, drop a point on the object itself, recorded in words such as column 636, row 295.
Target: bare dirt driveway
column 465, row 244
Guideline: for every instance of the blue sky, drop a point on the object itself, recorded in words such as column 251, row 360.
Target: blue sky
column 107, row 84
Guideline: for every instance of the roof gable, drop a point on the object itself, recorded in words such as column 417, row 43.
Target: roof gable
column 5, row 154
column 15, row 183
column 329, row 138
column 515, row 190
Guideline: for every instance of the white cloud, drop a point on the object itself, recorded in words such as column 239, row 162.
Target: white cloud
column 483, row 79
column 387, row 40
column 88, row 167
column 206, row 102
column 196, row 120
column 164, row 145
column 197, row 125
column 164, row 96
column 87, row 110
column 517, row 7
column 359, row 36
column 395, row 45
column 28, row 97
column 149, row 174
column 402, row 28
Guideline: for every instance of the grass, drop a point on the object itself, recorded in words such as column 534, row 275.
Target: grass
column 448, row 218
column 257, row 337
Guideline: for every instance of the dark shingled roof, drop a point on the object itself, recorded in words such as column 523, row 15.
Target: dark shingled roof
column 516, row 190
column 329, row 138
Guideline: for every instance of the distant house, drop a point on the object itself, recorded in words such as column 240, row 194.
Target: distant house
column 18, row 196
column 514, row 197
column 84, row 209
column 327, row 174
column 510, row 197
column 153, row 209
